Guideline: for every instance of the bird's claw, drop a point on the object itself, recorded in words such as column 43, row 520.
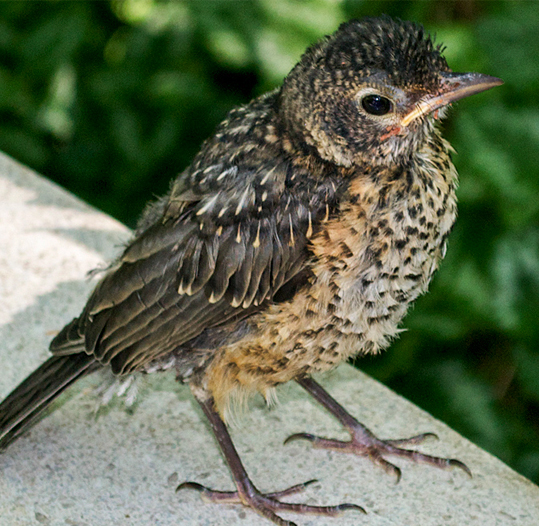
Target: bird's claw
column 364, row 443
column 300, row 436
column 267, row 504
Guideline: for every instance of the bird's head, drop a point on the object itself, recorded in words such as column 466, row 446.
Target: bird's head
column 371, row 92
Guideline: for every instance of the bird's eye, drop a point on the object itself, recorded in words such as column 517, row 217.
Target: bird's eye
column 376, row 104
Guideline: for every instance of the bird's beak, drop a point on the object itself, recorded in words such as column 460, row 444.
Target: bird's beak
column 453, row 87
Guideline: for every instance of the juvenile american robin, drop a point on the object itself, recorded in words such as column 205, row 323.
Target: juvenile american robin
column 297, row 238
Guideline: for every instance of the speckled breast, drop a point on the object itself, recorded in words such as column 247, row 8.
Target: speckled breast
column 380, row 254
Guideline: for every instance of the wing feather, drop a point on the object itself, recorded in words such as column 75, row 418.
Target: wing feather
column 220, row 258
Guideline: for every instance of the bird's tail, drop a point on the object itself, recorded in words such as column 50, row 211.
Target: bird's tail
column 22, row 408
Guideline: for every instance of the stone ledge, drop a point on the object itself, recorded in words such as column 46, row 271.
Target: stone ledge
column 121, row 467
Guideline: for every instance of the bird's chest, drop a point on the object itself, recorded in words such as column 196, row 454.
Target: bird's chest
column 375, row 258
column 368, row 264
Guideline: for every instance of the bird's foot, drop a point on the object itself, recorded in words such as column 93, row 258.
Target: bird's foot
column 268, row 504
column 364, row 443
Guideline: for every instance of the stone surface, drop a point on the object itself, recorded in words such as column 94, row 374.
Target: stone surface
column 120, row 466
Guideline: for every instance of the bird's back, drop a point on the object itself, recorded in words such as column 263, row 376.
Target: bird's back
column 230, row 239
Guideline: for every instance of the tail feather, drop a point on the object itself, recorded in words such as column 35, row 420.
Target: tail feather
column 21, row 409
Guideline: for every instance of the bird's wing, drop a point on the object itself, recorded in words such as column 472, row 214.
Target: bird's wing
column 205, row 258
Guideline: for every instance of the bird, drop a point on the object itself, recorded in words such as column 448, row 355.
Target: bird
column 297, row 238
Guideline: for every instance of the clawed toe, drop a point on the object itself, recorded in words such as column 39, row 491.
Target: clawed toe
column 411, row 441
column 233, row 496
column 267, row 504
column 364, row 443
column 211, row 495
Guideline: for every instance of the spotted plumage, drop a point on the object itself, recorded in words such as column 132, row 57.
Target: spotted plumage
column 297, row 238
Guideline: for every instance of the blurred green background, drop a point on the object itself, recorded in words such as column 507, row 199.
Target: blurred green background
column 112, row 99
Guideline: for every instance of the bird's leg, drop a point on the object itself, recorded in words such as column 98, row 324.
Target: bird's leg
column 247, row 494
column 363, row 442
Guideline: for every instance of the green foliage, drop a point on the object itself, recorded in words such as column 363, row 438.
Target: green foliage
column 112, row 100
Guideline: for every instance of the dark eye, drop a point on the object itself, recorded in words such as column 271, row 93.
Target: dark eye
column 376, row 104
